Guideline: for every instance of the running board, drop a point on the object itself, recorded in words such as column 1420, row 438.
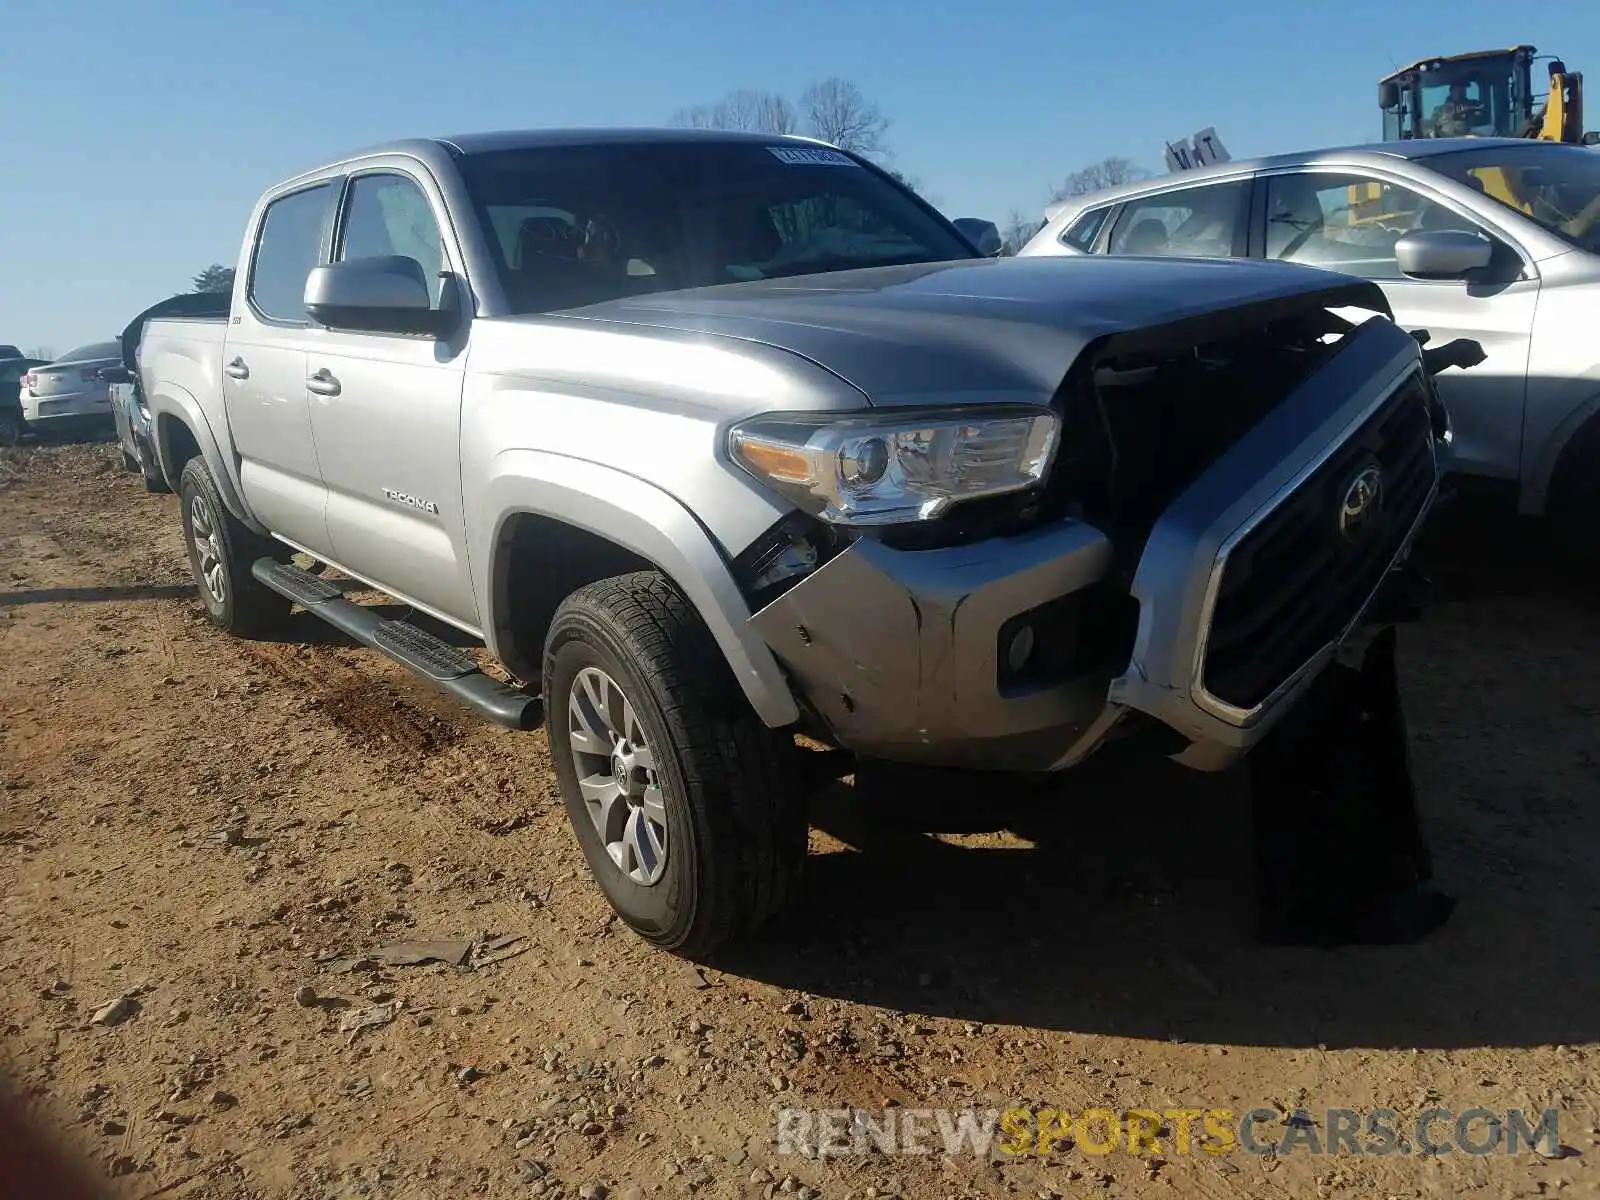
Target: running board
column 447, row 667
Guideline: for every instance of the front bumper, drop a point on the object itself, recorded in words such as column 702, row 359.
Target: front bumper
column 902, row 653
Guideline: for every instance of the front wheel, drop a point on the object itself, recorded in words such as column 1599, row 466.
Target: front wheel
column 687, row 808
column 1575, row 498
column 221, row 549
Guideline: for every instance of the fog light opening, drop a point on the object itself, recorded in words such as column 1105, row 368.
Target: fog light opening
column 1020, row 650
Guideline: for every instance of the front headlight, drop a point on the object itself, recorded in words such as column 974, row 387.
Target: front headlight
column 887, row 467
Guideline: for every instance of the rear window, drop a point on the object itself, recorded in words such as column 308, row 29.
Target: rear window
column 1082, row 233
column 286, row 249
column 91, row 352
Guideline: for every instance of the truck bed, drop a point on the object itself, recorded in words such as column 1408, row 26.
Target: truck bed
column 182, row 358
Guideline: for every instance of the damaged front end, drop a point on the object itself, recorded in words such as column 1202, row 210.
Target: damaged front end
column 1211, row 564
column 1186, row 565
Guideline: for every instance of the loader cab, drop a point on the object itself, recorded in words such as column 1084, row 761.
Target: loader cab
column 1487, row 93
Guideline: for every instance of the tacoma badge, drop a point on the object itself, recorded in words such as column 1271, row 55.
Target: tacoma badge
column 403, row 498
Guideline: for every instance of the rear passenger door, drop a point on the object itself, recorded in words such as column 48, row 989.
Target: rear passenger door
column 264, row 370
column 1207, row 220
column 1350, row 221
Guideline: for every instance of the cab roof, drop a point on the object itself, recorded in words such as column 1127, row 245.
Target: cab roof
column 1469, row 56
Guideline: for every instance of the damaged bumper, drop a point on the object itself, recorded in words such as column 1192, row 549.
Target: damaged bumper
column 1017, row 653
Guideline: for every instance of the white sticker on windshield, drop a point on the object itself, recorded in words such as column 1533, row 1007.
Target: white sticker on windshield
column 805, row 156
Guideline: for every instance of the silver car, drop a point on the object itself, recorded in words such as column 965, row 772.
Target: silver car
column 1497, row 240
column 70, row 395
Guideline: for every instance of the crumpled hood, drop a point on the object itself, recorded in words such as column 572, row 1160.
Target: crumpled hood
column 977, row 329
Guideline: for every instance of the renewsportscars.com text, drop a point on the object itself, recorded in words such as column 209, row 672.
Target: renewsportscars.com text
column 992, row 1132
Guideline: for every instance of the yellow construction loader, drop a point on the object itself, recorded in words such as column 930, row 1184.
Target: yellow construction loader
column 1483, row 93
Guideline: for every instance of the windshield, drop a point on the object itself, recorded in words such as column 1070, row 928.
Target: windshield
column 576, row 225
column 1472, row 98
column 1557, row 186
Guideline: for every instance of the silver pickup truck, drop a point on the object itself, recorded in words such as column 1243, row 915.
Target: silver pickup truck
column 716, row 439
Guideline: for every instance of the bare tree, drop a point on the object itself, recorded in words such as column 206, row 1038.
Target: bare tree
column 1017, row 231
column 836, row 111
column 1108, row 172
column 47, row 353
column 910, row 182
column 746, row 109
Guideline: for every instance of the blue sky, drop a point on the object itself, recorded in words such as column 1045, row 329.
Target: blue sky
column 136, row 135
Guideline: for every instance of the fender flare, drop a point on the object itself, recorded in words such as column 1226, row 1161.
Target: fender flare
column 1534, row 497
column 173, row 403
column 643, row 519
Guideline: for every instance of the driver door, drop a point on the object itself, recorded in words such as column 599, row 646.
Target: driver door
column 386, row 416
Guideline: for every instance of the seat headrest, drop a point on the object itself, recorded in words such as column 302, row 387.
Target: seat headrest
column 545, row 237
column 1146, row 237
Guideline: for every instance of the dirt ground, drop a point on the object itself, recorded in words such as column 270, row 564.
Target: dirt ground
column 202, row 824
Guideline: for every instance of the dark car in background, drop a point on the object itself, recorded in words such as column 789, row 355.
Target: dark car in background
column 12, row 369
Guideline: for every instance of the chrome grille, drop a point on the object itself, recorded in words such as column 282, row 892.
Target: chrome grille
column 1295, row 582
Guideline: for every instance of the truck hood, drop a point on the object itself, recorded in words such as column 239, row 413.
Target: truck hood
column 983, row 329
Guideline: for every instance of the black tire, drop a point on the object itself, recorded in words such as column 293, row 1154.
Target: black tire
column 1575, row 497
column 735, row 810
column 239, row 604
column 145, row 463
column 12, row 427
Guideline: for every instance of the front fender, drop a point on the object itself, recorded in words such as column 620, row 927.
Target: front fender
column 172, row 404
column 638, row 517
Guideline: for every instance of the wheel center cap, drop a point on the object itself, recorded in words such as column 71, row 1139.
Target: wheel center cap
column 622, row 770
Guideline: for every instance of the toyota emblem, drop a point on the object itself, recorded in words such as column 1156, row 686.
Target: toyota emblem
column 1361, row 505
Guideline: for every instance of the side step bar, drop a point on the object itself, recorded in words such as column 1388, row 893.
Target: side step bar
column 441, row 664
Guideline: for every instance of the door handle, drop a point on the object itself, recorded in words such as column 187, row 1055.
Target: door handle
column 323, row 383
column 237, row 369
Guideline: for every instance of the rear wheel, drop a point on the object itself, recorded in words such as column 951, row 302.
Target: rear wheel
column 688, row 809
column 12, row 427
column 221, row 550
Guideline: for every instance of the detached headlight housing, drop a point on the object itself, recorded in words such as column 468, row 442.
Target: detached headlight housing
column 889, row 467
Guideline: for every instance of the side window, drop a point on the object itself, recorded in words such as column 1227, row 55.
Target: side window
column 1082, row 233
column 1198, row 222
column 1348, row 222
column 390, row 215
column 286, row 250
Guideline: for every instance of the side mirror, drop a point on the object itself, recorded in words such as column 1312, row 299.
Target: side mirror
column 1442, row 253
column 115, row 375
column 1388, row 95
column 387, row 294
column 1592, row 138
column 984, row 235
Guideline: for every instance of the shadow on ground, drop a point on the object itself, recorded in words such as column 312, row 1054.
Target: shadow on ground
column 1122, row 902
column 136, row 591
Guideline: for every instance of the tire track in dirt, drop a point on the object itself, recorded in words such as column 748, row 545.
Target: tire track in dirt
column 366, row 707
